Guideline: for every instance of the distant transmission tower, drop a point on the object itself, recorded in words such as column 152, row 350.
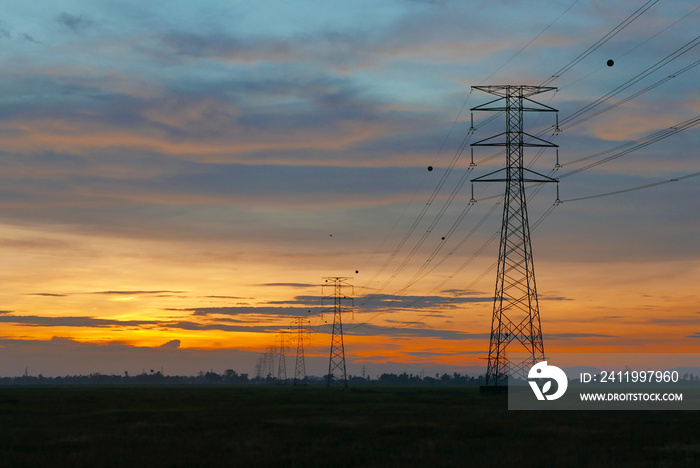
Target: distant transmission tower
column 259, row 367
column 282, row 360
column 337, row 354
column 268, row 364
column 300, row 365
column 516, row 312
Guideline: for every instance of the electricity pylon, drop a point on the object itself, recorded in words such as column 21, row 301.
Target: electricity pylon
column 259, row 366
column 282, row 360
column 300, row 365
column 337, row 354
column 268, row 363
column 516, row 312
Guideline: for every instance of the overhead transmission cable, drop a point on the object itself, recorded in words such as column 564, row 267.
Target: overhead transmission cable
column 632, row 96
column 420, row 218
column 626, row 22
column 640, row 144
column 619, row 151
column 688, row 46
column 640, row 76
column 417, row 221
column 539, row 221
column 442, row 146
column 634, row 146
column 444, row 141
column 529, row 43
column 439, row 246
column 632, row 189
column 386, row 310
column 607, row 37
column 565, row 124
column 418, row 277
column 617, row 58
column 438, row 217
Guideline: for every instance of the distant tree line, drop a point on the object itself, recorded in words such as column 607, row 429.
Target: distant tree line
column 231, row 377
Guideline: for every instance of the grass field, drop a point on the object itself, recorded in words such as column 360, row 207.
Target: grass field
column 255, row 426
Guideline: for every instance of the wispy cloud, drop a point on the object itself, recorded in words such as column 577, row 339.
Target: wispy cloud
column 90, row 322
column 29, row 38
column 575, row 336
column 406, row 331
column 135, row 293
column 258, row 311
column 374, row 302
column 289, row 285
column 76, row 23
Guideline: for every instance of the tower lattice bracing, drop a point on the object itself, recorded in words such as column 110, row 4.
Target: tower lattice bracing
column 267, row 362
column 282, row 360
column 516, row 314
column 337, row 371
column 300, row 365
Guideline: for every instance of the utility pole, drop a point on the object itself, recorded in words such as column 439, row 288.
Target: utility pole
column 300, row 365
column 516, row 312
column 337, row 353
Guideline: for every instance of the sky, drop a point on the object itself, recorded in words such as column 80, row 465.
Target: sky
column 178, row 178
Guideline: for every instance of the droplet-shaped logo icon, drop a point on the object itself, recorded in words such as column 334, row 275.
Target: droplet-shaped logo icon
column 542, row 371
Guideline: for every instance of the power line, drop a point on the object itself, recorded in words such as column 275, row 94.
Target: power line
column 632, row 49
column 638, row 144
column 581, row 56
column 431, row 228
column 417, row 221
column 529, row 43
column 420, row 216
column 447, row 173
column 462, row 292
column 640, row 76
column 635, row 95
column 632, row 189
column 428, row 230
column 397, row 295
column 626, row 22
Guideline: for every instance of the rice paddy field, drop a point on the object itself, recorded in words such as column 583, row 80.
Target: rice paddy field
column 285, row 426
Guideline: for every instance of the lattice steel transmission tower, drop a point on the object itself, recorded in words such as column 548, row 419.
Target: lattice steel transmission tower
column 259, row 367
column 300, row 365
column 282, row 360
column 337, row 354
column 516, row 312
column 269, row 362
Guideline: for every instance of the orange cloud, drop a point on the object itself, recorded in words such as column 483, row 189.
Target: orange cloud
column 81, row 138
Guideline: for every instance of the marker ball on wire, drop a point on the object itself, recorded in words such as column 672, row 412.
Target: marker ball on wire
column 610, row 62
column 430, row 168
